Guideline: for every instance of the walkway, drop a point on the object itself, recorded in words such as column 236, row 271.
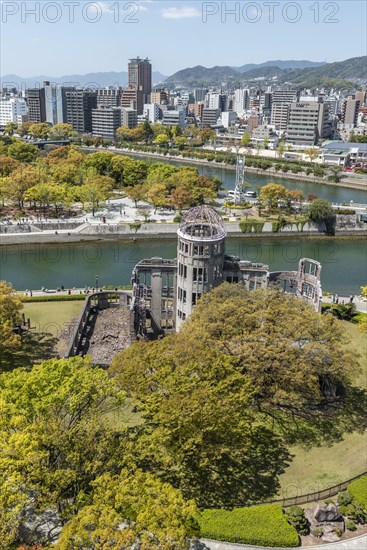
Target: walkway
column 358, row 543
column 360, row 303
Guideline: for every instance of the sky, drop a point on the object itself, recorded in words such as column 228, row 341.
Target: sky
column 64, row 37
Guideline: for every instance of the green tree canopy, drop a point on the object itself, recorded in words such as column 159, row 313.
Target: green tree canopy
column 248, row 374
column 54, row 438
column 152, row 514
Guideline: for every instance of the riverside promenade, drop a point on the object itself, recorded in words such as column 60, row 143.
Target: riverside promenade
column 120, row 219
column 358, row 543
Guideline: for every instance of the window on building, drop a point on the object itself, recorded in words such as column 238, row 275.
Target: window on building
column 184, row 297
column 193, row 300
column 185, row 271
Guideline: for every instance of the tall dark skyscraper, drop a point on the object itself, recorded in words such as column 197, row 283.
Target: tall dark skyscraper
column 140, row 77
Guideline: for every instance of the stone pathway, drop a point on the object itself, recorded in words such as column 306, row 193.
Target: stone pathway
column 358, row 543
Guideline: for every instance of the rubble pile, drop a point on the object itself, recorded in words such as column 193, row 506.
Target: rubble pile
column 111, row 335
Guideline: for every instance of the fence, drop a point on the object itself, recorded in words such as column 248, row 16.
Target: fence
column 301, row 499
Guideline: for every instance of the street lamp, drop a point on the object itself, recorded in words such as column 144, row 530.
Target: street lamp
column 97, row 283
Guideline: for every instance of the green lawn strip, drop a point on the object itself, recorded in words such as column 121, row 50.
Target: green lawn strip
column 358, row 489
column 322, row 467
column 263, row 525
column 52, row 317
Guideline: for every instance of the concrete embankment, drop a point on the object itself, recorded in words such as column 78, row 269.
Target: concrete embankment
column 347, row 183
column 90, row 233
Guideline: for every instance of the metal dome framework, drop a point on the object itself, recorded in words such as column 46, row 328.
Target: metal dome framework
column 202, row 223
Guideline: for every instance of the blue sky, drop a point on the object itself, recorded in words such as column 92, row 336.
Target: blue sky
column 65, row 37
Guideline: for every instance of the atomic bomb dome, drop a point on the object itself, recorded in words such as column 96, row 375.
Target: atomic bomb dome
column 202, row 223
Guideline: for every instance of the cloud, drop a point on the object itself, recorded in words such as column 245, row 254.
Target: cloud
column 180, row 13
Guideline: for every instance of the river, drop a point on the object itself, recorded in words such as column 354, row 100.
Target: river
column 76, row 265
column 332, row 193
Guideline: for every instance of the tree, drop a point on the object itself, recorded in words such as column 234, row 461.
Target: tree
column 45, row 194
column 295, row 196
column 281, row 149
column 101, row 162
column 136, row 193
column 156, row 194
column 145, row 213
column 55, row 438
column 322, row 214
column 162, row 140
column 24, row 152
column 335, row 173
column 266, row 142
column 364, row 291
column 148, row 133
column 39, row 130
column 312, row 153
column 272, row 193
column 10, row 308
column 154, row 514
column 206, row 134
column 181, row 198
column 8, row 165
column 95, row 191
column 359, row 139
column 248, row 373
column 10, row 128
column 23, row 179
column 180, row 142
column 62, row 131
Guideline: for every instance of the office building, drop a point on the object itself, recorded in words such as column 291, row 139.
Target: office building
column 12, row 109
column 210, row 117
column 35, row 98
column 105, row 122
column 140, row 79
column 174, row 117
column 308, row 123
column 79, row 106
column 109, row 97
column 129, row 117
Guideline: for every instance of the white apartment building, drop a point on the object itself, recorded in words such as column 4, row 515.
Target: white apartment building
column 151, row 112
column 174, row 117
column 13, row 109
column 241, row 101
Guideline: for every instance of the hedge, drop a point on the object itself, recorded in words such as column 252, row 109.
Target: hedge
column 263, row 525
column 358, row 489
column 54, row 298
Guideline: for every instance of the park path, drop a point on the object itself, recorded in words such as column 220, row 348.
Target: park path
column 358, row 543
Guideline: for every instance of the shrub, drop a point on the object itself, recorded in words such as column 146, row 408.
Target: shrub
column 339, row 532
column 345, row 498
column 296, row 517
column 329, row 501
column 358, row 489
column 177, row 218
column 318, row 532
column 350, row 525
column 55, row 298
column 263, row 525
column 247, row 226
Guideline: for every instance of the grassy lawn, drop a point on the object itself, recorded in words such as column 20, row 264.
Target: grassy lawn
column 51, row 316
column 323, row 467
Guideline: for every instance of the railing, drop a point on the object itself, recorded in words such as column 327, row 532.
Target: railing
column 301, row 499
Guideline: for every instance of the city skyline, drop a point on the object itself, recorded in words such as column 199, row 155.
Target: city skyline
column 84, row 37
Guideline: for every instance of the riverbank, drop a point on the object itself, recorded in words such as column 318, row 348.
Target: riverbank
column 346, row 183
column 155, row 231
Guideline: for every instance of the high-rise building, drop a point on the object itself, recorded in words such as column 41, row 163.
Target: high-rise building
column 105, row 121
column 210, row 117
column 281, row 100
column 350, row 109
column 140, row 79
column 308, row 122
column 129, row 117
column 109, row 97
column 241, row 101
column 152, row 112
column 55, row 102
column 36, row 103
column 160, row 97
column 12, row 109
column 174, row 117
column 79, row 106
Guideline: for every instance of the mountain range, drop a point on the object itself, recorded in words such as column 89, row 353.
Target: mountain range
column 301, row 73
column 90, row 79
column 315, row 74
